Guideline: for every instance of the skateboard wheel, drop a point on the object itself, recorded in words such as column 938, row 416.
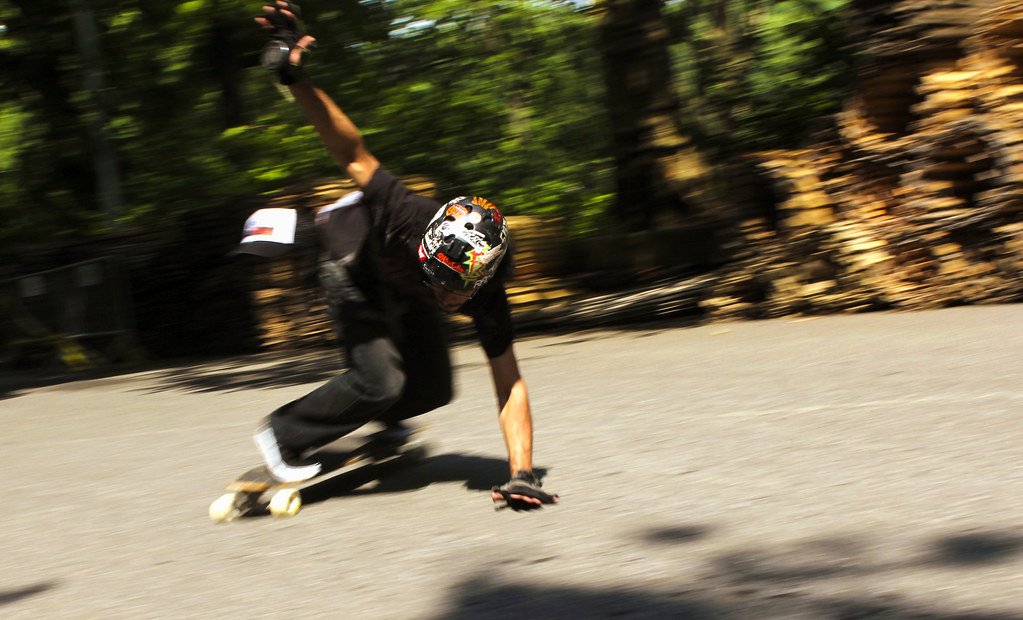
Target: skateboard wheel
column 224, row 508
column 285, row 503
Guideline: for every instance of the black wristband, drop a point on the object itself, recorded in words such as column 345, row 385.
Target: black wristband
column 276, row 58
column 527, row 476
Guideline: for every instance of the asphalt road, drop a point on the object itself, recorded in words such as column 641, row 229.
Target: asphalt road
column 866, row 466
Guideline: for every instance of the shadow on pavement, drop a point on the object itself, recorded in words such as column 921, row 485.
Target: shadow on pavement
column 977, row 548
column 757, row 583
column 676, row 534
column 476, row 473
column 14, row 382
column 8, row 597
column 264, row 371
column 486, row 598
column 269, row 369
column 829, row 558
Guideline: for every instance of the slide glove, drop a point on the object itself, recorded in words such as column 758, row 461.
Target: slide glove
column 283, row 25
column 523, row 492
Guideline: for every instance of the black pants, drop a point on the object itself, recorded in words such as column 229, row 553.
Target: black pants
column 398, row 367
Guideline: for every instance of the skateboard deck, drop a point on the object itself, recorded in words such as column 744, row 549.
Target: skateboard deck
column 347, row 454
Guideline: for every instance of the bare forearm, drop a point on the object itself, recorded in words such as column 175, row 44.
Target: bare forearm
column 339, row 134
column 517, row 427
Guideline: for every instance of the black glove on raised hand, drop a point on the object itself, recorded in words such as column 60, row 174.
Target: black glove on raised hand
column 282, row 22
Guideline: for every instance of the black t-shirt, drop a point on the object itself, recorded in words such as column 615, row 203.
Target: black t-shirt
column 378, row 240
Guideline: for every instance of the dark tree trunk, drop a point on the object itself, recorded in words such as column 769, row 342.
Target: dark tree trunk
column 227, row 62
column 104, row 153
column 654, row 164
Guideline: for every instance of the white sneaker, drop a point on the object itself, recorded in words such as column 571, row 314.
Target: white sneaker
column 279, row 468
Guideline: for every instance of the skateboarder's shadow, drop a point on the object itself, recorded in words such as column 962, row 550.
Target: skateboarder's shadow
column 476, row 473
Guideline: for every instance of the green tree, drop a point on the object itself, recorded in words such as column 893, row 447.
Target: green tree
column 754, row 74
column 47, row 170
column 501, row 99
column 658, row 172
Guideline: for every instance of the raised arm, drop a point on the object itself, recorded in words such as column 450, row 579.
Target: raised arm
column 283, row 56
column 338, row 132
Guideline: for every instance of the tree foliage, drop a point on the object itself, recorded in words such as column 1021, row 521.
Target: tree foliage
column 496, row 98
column 753, row 74
column 500, row 98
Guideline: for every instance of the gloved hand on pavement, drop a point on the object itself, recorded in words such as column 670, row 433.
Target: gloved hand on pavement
column 523, row 492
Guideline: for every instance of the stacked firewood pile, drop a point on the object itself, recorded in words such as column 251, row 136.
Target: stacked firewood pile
column 289, row 311
column 914, row 198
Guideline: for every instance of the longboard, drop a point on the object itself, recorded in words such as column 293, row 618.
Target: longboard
column 245, row 491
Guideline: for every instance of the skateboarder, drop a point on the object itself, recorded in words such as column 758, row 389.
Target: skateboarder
column 394, row 261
